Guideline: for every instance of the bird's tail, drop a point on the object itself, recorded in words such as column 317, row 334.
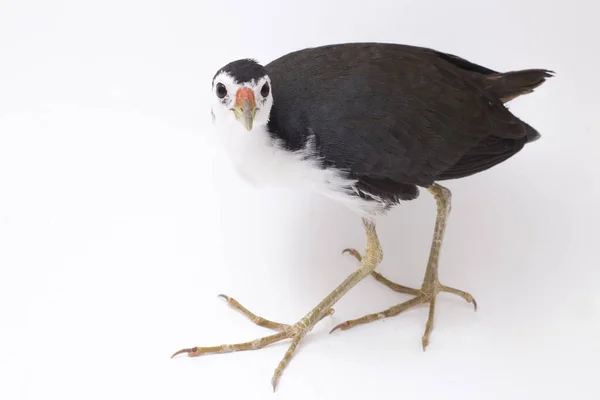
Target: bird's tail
column 510, row 85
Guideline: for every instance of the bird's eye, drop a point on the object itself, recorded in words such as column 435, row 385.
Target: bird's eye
column 221, row 90
column 264, row 92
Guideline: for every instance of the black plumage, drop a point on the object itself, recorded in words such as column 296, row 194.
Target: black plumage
column 243, row 70
column 393, row 116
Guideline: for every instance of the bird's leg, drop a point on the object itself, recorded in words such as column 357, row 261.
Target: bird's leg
column 431, row 285
column 382, row 279
column 296, row 332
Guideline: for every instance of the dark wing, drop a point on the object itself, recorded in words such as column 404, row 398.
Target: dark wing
column 393, row 116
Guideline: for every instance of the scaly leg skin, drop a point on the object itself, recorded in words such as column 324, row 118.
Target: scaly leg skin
column 296, row 332
column 431, row 285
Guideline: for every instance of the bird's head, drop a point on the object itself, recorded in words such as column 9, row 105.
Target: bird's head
column 242, row 94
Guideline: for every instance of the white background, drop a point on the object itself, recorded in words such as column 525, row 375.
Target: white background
column 120, row 222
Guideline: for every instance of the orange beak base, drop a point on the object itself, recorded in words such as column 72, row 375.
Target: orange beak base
column 245, row 107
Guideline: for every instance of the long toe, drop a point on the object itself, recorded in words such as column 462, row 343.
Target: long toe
column 467, row 296
column 390, row 312
column 260, row 321
column 427, row 295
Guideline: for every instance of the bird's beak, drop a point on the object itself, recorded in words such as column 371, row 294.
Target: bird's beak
column 245, row 107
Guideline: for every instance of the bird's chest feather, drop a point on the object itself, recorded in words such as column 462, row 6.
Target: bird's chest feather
column 263, row 161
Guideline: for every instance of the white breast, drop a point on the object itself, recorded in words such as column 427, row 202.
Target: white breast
column 262, row 161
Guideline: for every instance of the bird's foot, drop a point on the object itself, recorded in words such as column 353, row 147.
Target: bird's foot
column 427, row 294
column 295, row 332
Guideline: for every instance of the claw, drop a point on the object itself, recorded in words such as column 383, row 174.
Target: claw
column 353, row 253
column 424, row 342
column 190, row 350
column 224, row 297
column 341, row 326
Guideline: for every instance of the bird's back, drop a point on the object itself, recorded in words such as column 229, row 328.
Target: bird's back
column 395, row 116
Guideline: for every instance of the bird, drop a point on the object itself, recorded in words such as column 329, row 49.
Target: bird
column 369, row 125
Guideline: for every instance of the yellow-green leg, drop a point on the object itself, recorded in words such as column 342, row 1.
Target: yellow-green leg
column 372, row 257
column 431, row 285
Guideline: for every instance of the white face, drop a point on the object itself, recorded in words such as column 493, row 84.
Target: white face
column 244, row 105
